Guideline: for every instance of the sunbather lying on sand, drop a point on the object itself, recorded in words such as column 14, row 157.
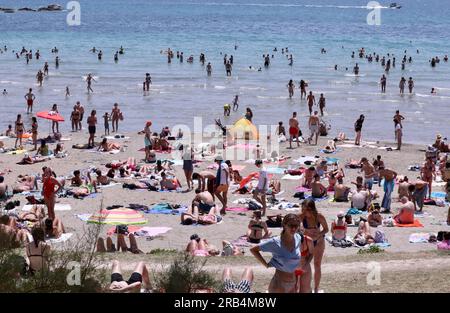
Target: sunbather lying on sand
column 169, row 183
column 106, row 146
column 228, row 249
column 10, row 234
column 27, row 159
column 244, row 286
column 25, row 183
column 121, row 244
column 200, row 247
column 139, row 278
column 36, row 214
column 374, row 218
column 363, row 235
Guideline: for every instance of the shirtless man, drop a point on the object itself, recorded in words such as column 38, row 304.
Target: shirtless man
column 80, row 109
column 302, row 86
column 203, row 201
column 403, row 188
column 317, row 189
column 115, row 116
column 341, row 191
column 30, row 98
column 311, row 101
column 389, row 184
column 206, row 181
column 309, row 176
column 427, row 173
column 406, row 212
column 369, row 173
column 293, row 130
column 360, row 198
column 3, row 188
column 313, row 124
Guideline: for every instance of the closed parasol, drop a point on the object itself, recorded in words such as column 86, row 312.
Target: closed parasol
column 121, row 216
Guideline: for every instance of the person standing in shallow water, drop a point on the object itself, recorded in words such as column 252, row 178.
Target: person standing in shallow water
column 401, row 85
column 383, row 83
column 209, row 69
column 410, row 85
column 116, row 114
column 291, row 87
column 358, row 128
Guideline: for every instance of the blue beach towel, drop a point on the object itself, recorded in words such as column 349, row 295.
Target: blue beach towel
column 316, row 199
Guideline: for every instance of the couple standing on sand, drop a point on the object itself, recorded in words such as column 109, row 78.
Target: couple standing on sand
column 295, row 132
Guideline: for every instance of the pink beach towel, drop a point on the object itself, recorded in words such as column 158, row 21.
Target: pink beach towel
column 237, row 209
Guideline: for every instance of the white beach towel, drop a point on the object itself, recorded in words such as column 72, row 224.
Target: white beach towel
column 58, row 207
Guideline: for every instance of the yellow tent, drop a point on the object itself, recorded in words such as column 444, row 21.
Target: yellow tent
column 244, row 129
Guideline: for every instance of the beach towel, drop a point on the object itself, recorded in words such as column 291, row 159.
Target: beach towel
column 353, row 211
column 118, row 136
column 81, row 146
column 344, row 243
column 165, row 208
column 331, row 161
column 316, row 199
column 58, row 207
column 302, row 189
column 241, row 242
column 307, row 160
column 292, row 177
column 419, row 237
column 416, row 223
column 62, row 238
column 84, row 217
column 275, row 170
column 237, row 209
column 151, row 232
column 16, row 152
column 438, row 194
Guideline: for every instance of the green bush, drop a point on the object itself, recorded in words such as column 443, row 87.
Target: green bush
column 185, row 274
column 370, row 250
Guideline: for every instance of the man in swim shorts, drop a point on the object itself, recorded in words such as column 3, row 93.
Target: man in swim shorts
column 30, row 98
column 293, row 130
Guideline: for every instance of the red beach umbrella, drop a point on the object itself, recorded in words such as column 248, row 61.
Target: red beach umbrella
column 50, row 115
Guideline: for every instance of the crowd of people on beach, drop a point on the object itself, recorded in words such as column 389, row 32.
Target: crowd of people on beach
column 297, row 252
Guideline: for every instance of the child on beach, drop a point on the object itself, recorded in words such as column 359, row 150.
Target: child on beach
column 106, row 121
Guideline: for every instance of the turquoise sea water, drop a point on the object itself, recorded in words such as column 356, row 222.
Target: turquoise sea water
column 181, row 91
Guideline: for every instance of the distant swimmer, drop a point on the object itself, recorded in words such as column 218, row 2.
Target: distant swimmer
column 236, row 103
column 335, row 67
column 121, row 51
column 93, row 50
column 37, row 55
column 410, row 85
column 99, row 55
column 231, row 59
column 291, row 60
column 5, row 92
column 148, row 81
column 433, row 91
column 291, row 87
column 445, row 58
column 321, row 103
column 181, row 57
column 116, row 56
column 190, row 59
column 433, row 62
column 29, row 96
column 67, row 91
column 311, row 101
column 356, row 69
column 383, row 83
column 89, row 80
column 209, row 69
column 46, row 68
column 57, row 62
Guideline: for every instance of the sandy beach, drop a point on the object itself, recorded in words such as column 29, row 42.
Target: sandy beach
column 234, row 224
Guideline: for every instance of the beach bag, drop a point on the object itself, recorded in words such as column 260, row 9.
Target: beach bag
column 380, row 237
column 300, row 195
column 122, row 229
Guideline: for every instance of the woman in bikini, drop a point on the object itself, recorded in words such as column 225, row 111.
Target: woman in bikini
column 286, row 255
column 115, row 116
column 256, row 227
column 37, row 251
column 34, row 132
column 54, row 110
column 312, row 222
column 106, row 146
column 49, row 192
column 19, row 129
column 428, row 172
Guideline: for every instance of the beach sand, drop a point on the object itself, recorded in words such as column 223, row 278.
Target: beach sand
column 234, row 224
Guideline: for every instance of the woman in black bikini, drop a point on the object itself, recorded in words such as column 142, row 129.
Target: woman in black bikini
column 19, row 130
column 312, row 222
column 358, row 127
column 256, row 227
